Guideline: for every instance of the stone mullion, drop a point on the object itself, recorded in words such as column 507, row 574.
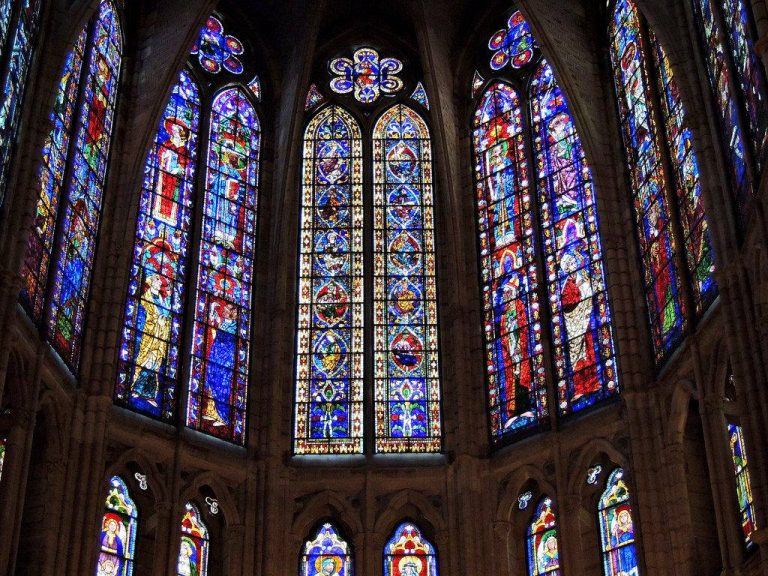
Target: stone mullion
column 162, row 550
column 643, row 424
column 87, row 488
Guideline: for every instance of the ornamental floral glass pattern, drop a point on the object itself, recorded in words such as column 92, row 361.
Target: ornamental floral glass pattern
column 724, row 89
column 329, row 365
column 542, row 549
column 366, row 74
column 617, row 531
column 37, row 257
column 149, row 351
column 687, row 181
column 513, row 45
column 663, row 283
column 81, row 209
column 14, row 78
column 743, row 482
column 326, row 553
column 408, row 553
column 216, row 50
column 118, row 532
column 581, row 316
column 218, row 381
column 406, row 373
column 512, row 323
column 193, row 548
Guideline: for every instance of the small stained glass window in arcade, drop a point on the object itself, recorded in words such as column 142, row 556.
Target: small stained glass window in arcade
column 542, row 550
column 408, row 553
column 617, row 528
column 326, row 554
column 365, row 74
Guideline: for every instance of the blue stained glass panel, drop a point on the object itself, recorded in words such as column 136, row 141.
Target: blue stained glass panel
column 118, row 532
column 582, row 336
column 617, row 529
column 328, row 415
column 15, row 82
column 743, row 483
column 37, row 258
column 406, row 371
column 79, row 223
column 218, row 383
column 663, row 284
column 149, row 350
column 511, row 310
column 326, row 553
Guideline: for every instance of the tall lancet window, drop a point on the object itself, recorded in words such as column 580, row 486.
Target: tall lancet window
column 338, row 192
column 19, row 25
column 59, row 257
column 326, row 553
column 542, row 549
column 159, row 317
column 408, row 553
column 193, row 546
column 118, row 531
column 743, row 482
column 617, row 528
column 738, row 86
column 548, row 209
column 671, row 228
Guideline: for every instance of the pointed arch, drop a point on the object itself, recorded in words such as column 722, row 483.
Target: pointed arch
column 617, row 528
column 409, row 553
column 326, row 547
column 406, row 373
column 118, row 531
column 583, row 347
column 542, row 547
column 328, row 414
column 513, row 347
column 16, row 58
column 149, row 351
column 193, row 547
column 218, row 382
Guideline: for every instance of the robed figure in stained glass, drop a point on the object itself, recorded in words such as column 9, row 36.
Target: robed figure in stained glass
column 118, row 532
column 617, row 528
column 221, row 340
column 172, row 158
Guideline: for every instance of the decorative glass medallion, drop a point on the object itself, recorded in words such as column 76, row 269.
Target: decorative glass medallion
column 216, row 50
column 420, row 95
column 513, row 45
column 366, row 74
column 314, row 98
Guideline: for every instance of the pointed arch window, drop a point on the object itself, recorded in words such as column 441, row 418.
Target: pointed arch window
column 671, row 227
column 152, row 362
column 526, row 214
column 326, row 553
column 193, row 548
column 118, row 531
column 617, row 529
column 329, row 370
column 19, row 27
column 542, row 549
column 60, row 253
column 738, row 85
column 743, row 482
column 406, row 380
column 408, row 553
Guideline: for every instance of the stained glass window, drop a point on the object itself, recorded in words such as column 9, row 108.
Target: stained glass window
column 687, row 182
column 326, row 554
column 512, row 321
column 420, row 95
column 408, row 553
column 477, row 83
column 149, row 352
column 406, row 375
column 725, row 33
column 118, row 532
column 329, row 367
column 255, row 87
column 193, row 548
column 617, row 530
column 542, row 549
column 658, row 246
column 366, row 75
column 15, row 71
column 314, row 98
column 581, row 316
column 81, row 209
column 513, row 45
column 37, row 258
column 216, row 50
column 221, row 333
column 743, row 482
